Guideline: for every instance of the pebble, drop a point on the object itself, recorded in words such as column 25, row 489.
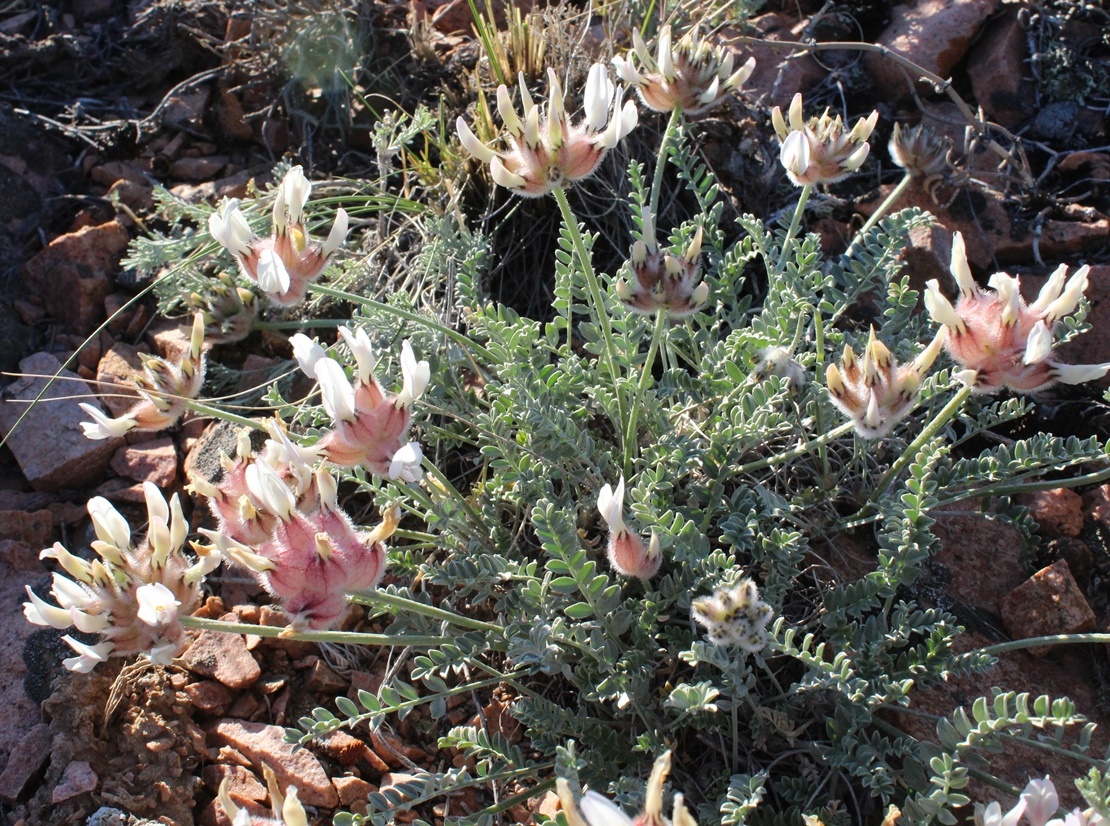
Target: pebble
column 1049, row 602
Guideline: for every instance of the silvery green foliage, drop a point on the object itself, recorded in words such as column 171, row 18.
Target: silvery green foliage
column 527, row 421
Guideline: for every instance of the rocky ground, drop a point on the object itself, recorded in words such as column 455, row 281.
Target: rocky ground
column 102, row 101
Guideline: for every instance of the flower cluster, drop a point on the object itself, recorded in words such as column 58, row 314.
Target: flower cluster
column 279, row 518
column 626, row 550
column 594, row 809
column 821, row 150
column 369, row 425
column 228, row 311
column 735, row 616
column 131, row 596
column 1001, row 340
column 875, row 392
column 1037, row 804
column 166, row 388
column 690, row 76
column 920, row 151
column 546, row 150
column 661, row 281
column 284, row 264
column 285, row 809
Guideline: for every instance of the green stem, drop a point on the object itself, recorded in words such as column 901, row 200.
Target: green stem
column 645, row 377
column 793, row 228
column 596, row 295
column 457, row 337
column 217, row 413
column 396, row 601
column 661, row 160
column 795, row 452
column 352, row 637
column 877, row 215
column 819, row 344
column 930, row 430
column 1052, row 639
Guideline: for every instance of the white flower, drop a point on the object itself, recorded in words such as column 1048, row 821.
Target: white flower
column 1040, row 801
column 89, row 656
column 273, row 277
column 266, row 485
column 230, row 228
column 406, row 464
column 307, row 352
column 416, row 376
column 601, row 811
column 102, row 426
column 610, row 502
column 157, row 604
column 335, row 390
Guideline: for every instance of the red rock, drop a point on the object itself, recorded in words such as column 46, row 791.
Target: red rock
column 1097, row 504
column 1049, row 602
column 997, row 69
column 77, row 778
column 29, row 311
column 256, row 373
column 75, row 273
column 223, row 657
column 108, row 173
column 19, row 556
column 779, row 72
column 344, row 749
column 265, row 745
column 209, row 696
column 324, row 680
column 50, row 445
column 170, row 339
column 154, row 461
column 138, row 197
column 229, row 112
column 24, row 762
column 33, row 528
column 395, row 779
column 241, row 782
column 115, row 374
column 186, row 109
column 353, row 793
column 934, row 34
column 1058, row 511
column 198, row 169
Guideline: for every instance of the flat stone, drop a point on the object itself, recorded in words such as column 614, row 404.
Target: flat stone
column 997, row 69
column 344, row 748
column 353, row 792
column 223, row 657
column 1058, row 511
column 76, row 272
column 25, row 761
column 34, row 528
column 209, row 696
column 77, row 778
column 934, row 34
column 115, row 376
column 265, row 745
column 1049, row 602
column 49, row 445
column 241, row 782
column 154, row 461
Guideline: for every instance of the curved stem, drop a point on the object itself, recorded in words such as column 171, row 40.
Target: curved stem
column 597, row 297
column 1039, row 642
column 286, row 633
column 795, row 452
column 661, row 159
column 645, row 377
column 217, row 413
column 459, row 338
column 383, row 598
column 793, row 229
column 882, row 210
column 928, row 432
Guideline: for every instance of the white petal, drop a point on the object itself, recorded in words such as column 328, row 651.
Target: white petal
column 157, row 604
column 1038, row 346
column 406, row 463
column 599, row 93
column 794, row 155
column 416, row 375
column 359, row 342
column 296, row 189
column 470, row 141
column 601, row 811
column 1079, row 373
column 338, row 234
column 230, row 228
column 110, row 527
column 1069, row 299
column 307, row 352
column 1041, row 801
column 335, row 390
column 508, row 116
column 89, row 655
column 503, row 177
column 959, row 266
column 856, row 159
column 89, row 623
column 1051, row 290
column 940, row 309
column 270, row 490
column 102, row 426
column 68, row 593
column 626, row 71
column 272, row 276
column 40, row 612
